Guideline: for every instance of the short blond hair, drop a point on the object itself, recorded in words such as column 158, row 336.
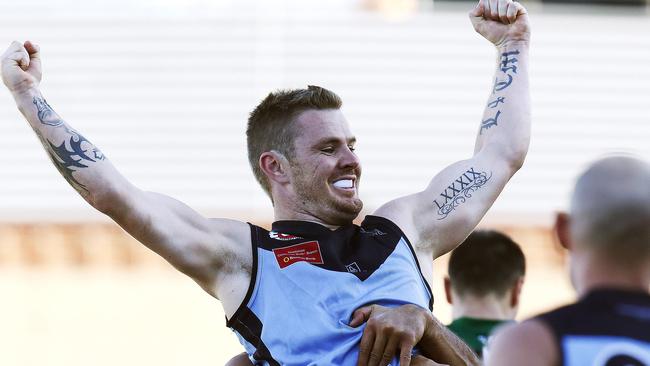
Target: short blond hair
column 270, row 123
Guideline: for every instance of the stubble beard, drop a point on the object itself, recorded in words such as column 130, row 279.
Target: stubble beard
column 324, row 205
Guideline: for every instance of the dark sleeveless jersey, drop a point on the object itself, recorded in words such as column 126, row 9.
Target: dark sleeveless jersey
column 606, row 328
column 307, row 280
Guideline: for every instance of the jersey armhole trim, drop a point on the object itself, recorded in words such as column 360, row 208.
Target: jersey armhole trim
column 253, row 281
column 408, row 243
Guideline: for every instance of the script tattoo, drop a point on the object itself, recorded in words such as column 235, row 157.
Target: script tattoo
column 495, row 103
column 490, row 122
column 508, row 64
column 460, row 190
column 45, row 113
column 502, row 84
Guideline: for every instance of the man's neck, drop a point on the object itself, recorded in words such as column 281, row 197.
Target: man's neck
column 487, row 307
column 594, row 272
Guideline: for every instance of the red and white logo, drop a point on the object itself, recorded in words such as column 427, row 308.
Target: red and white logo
column 279, row 236
column 304, row 252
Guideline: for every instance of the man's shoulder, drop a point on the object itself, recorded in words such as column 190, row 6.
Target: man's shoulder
column 514, row 343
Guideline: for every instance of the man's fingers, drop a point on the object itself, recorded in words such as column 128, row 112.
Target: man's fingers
column 405, row 350
column 520, row 8
column 365, row 346
column 360, row 316
column 493, row 11
column 478, row 10
column 19, row 57
column 389, row 351
column 503, row 11
column 377, row 353
column 512, row 12
column 423, row 361
column 32, row 49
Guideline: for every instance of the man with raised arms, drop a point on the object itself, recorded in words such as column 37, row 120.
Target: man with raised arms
column 289, row 293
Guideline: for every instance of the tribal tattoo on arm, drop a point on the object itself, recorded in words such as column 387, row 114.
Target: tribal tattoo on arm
column 508, row 66
column 460, row 190
column 70, row 155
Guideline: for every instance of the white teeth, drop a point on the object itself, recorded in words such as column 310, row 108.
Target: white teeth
column 343, row 183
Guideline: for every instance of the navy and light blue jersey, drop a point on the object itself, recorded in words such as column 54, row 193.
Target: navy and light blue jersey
column 307, row 280
column 606, row 328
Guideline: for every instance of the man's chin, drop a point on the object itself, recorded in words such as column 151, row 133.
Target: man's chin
column 349, row 209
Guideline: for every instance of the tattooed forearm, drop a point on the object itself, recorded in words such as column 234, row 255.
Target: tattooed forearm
column 495, row 103
column 460, row 190
column 70, row 156
column 45, row 113
column 490, row 122
column 508, row 66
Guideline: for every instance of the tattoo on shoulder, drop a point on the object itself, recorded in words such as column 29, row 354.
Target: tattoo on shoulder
column 460, row 190
column 45, row 113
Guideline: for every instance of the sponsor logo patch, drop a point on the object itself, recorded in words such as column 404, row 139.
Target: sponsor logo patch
column 304, row 252
column 279, row 236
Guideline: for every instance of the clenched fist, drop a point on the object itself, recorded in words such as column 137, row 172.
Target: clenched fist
column 501, row 22
column 21, row 67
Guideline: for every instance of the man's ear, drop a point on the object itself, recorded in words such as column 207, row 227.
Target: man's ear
column 562, row 230
column 274, row 165
column 516, row 292
column 448, row 290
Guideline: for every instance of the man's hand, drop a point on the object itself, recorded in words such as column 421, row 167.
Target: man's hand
column 390, row 331
column 21, row 67
column 423, row 361
column 501, row 22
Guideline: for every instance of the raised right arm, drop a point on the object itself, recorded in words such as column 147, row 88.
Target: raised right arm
column 201, row 248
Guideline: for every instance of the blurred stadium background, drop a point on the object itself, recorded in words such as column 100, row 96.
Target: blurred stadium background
column 164, row 87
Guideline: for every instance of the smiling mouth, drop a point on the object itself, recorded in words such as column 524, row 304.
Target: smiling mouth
column 347, row 184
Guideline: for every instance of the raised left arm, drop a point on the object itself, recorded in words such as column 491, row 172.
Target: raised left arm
column 437, row 219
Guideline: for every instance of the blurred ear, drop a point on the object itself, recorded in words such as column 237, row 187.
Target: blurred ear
column 274, row 165
column 516, row 292
column 561, row 228
column 448, row 290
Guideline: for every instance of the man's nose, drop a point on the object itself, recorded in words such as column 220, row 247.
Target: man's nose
column 349, row 160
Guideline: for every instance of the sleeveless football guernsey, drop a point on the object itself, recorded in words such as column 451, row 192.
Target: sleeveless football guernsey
column 606, row 328
column 475, row 332
column 306, row 282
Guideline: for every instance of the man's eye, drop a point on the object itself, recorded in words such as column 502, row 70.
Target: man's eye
column 327, row 150
column 352, row 148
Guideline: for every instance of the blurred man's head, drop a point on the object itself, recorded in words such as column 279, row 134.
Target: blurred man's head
column 486, row 274
column 609, row 219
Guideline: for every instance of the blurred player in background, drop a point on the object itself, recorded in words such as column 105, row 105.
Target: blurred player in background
column 607, row 233
column 486, row 274
column 289, row 292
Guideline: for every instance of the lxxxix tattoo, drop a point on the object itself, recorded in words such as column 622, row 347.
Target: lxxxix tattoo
column 454, row 195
